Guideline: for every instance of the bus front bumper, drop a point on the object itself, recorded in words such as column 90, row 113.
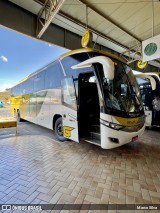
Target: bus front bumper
column 111, row 138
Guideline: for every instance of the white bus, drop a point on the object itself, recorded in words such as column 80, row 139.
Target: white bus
column 85, row 94
column 149, row 84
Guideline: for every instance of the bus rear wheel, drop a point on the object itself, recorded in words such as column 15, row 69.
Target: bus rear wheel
column 59, row 130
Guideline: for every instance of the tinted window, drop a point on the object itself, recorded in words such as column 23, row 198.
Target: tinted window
column 27, row 86
column 24, row 87
column 16, row 90
column 68, row 93
column 30, row 85
column 71, row 60
column 39, row 81
column 13, row 91
column 54, row 75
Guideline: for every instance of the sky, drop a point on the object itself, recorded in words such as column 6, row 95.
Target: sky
column 21, row 55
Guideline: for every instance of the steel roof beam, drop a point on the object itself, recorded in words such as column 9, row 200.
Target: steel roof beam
column 46, row 14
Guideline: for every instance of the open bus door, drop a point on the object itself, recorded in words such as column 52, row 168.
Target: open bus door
column 148, row 112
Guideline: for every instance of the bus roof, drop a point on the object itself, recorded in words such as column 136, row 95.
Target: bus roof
column 153, row 73
column 157, row 74
column 82, row 50
column 72, row 52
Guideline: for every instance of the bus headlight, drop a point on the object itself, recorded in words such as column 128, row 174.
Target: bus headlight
column 116, row 126
column 112, row 125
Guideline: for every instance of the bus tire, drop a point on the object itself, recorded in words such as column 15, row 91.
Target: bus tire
column 58, row 128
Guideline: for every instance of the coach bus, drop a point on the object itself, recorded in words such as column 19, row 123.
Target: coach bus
column 85, row 94
column 149, row 84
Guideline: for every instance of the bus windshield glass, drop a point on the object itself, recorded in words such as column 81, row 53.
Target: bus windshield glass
column 121, row 95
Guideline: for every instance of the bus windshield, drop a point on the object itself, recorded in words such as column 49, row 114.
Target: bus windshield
column 121, row 95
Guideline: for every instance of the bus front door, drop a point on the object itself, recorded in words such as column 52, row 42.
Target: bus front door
column 69, row 117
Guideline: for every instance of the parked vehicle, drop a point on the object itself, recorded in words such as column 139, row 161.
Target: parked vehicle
column 86, row 94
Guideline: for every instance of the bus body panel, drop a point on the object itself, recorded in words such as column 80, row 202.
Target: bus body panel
column 32, row 109
column 49, row 104
column 70, row 124
column 39, row 108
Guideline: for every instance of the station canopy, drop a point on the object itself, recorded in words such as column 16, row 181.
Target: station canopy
column 120, row 25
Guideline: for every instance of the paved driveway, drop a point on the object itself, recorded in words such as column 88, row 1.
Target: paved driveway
column 35, row 168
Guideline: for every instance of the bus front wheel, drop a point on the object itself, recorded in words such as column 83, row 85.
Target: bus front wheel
column 59, row 130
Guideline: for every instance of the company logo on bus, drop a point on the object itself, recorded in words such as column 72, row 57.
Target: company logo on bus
column 136, row 121
column 67, row 131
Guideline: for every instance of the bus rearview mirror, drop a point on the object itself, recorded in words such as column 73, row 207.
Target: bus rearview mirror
column 107, row 64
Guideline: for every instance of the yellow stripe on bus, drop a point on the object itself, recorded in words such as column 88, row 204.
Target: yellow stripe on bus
column 82, row 50
column 130, row 121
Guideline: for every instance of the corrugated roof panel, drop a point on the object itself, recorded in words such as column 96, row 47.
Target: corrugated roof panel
column 94, row 19
column 116, row 33
column 107, row 7
column 75, row 9
column 148, row 33
column 127, row 11
column 127, row 40
column 70, row 6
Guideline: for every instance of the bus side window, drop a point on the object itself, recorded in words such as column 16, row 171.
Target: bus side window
column 17, row 90
column 12, row 92
column 31, row 85
column 39, row 81
column 69, row 61
column 53, row 76
column 68, row 93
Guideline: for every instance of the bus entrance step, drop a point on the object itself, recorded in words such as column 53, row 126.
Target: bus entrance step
column 92, row 140
column 95, row 135
column 95, row 128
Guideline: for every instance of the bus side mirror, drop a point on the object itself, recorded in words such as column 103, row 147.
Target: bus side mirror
column 107, row 64
column 108, row 67
column 150, row 78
